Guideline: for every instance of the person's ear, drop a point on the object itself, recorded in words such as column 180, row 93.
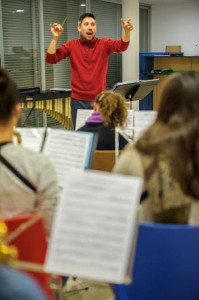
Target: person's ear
column 95, row 106
column 78, row 28
column 17, row 111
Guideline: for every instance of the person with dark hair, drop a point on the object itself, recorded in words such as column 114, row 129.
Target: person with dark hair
column 28, row 180
column 110, row 111
column 167, row 155
column 88, row 57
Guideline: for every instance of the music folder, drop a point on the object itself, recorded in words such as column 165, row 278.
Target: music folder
column 135, row 90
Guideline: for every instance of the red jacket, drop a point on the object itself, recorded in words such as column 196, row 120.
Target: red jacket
column 89, row 64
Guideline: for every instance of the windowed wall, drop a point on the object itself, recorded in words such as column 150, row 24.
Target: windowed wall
column 19, row 41
column 25, row 36
column 21, row 35
column 145, row 25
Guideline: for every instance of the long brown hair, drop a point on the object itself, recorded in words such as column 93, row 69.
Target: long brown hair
column 175, row 132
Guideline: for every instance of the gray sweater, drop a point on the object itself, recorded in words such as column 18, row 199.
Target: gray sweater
column 16, row 198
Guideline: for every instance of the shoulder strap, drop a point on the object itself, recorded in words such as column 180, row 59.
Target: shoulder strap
column 17, row 174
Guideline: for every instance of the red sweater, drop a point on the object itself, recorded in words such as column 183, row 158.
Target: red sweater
column 89, row 64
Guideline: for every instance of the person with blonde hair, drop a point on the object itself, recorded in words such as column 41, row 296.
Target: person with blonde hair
column 110, row 111
column 167, row 155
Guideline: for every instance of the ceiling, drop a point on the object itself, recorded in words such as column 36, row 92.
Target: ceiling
column 167, row 1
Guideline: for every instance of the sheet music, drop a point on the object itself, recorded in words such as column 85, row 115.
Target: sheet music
column 82, row 116
column 31, row 137
column 65, row 148
column 68, row 149
column 94, row 226
column 129, row 124
column 142, row 120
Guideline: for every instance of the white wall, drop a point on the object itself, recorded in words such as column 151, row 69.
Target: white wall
column 130, row 64
column 130, row 9
column 175, row 24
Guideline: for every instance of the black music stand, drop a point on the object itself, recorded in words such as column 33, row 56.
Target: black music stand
column 127, row 89
column 135, row 90
column 25, row 92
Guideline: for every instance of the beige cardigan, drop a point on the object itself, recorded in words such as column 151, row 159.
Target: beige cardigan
column 131, row 162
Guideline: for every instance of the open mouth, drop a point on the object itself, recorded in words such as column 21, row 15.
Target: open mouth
column 89, row 33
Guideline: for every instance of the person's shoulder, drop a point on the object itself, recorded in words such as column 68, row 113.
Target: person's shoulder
column 105, row 40
column 107, row 130
column 27, row 156
column 72, row 42
column 76, row 40
column 129, row 162
column 29, row 152
column 108, row 42
column 130, row 150
column 91, row 127
column 107, row 127
column 101, row 128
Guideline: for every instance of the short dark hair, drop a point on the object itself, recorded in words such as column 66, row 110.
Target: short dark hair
column 85, row 15
column 9, row 95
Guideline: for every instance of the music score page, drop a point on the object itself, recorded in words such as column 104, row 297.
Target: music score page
column 94, row 226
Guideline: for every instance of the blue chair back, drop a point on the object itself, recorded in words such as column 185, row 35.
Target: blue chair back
column 166, row 265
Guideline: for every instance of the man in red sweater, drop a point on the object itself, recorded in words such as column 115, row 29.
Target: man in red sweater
column 88, row 57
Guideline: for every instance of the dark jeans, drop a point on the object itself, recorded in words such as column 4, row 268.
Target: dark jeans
column 79, row 104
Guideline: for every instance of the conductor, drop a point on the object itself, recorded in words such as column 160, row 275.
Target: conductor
column 88, row 59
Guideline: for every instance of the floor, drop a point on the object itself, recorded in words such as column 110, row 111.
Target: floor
column 81, row 289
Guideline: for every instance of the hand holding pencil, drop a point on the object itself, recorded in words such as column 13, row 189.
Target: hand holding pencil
column 57, row 29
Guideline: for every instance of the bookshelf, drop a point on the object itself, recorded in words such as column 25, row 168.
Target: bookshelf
column 159, row 65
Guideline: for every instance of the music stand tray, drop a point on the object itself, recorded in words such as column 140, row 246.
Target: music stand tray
column 135, row 90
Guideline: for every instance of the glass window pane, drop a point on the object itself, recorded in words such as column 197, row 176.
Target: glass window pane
column 109, row 26
column 17, row 39
column 144, row 28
